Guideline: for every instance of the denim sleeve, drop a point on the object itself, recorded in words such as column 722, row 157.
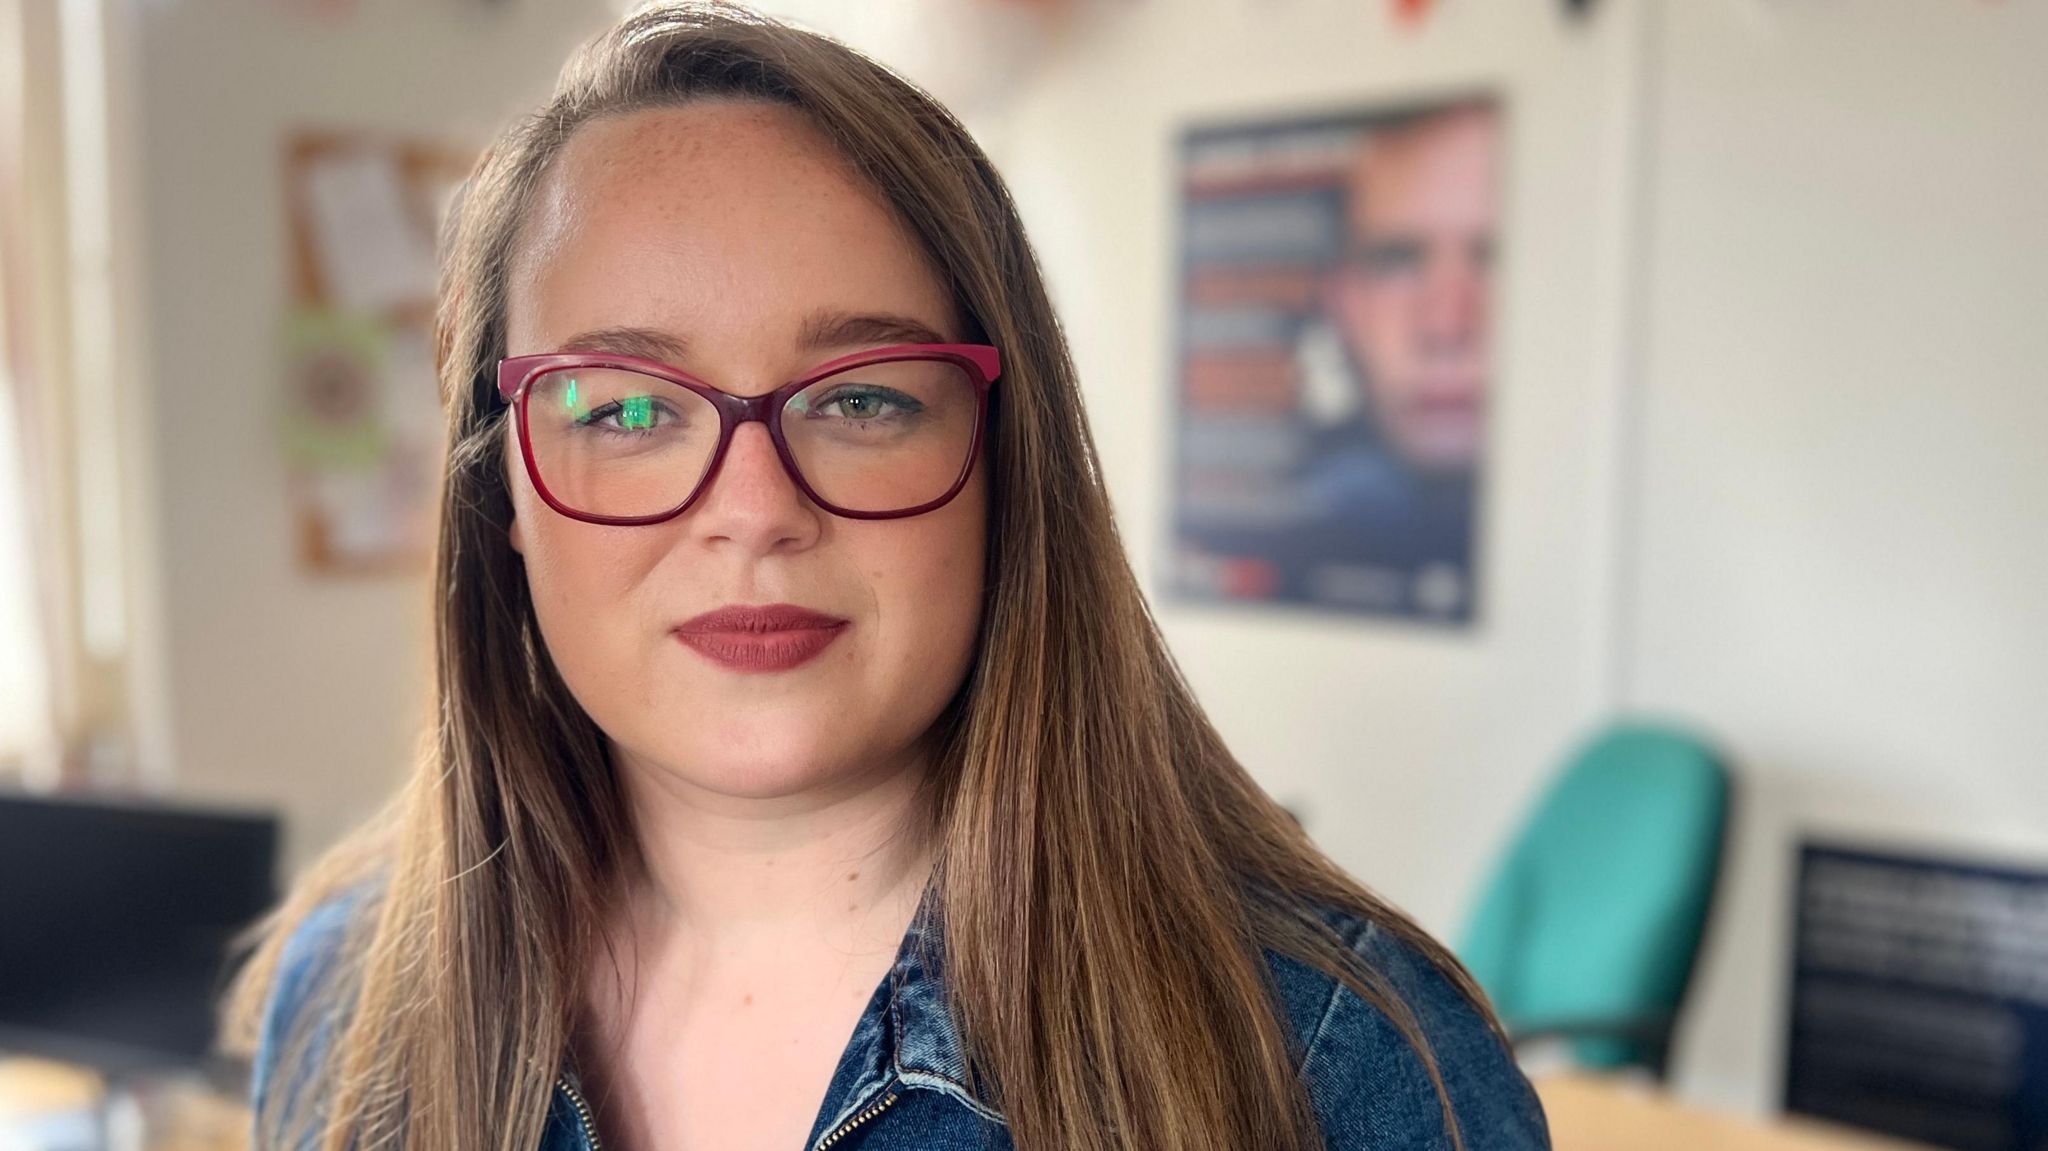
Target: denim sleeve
column 290, row 1045
column 1369, row 1087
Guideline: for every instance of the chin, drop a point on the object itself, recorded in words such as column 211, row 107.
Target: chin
column 764, row 780
column 789, row 768
column 1444, row 444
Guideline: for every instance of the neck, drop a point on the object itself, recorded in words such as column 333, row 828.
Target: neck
column 843, row 865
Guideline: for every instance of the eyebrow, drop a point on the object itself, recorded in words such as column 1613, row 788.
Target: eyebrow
column 644, row 343
column 826, row 329
column 822, row 330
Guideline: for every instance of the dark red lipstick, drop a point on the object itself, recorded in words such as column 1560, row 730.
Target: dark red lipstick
column 765, row 638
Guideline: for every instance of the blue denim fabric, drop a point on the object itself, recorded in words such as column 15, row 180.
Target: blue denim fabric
column 902, row 1081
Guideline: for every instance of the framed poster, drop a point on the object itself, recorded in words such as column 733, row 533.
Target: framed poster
column 1335, row 359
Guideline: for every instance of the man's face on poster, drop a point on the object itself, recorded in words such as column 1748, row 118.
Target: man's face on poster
column 1411, row 295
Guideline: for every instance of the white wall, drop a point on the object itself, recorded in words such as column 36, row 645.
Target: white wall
column 1843, row 511
column 281, row 689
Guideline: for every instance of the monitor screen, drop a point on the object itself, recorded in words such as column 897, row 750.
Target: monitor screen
column 116, row 919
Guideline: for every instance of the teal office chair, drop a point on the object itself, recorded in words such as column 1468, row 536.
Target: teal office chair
column 1589, row 929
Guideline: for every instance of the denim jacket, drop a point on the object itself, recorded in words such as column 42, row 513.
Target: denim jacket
column 902, row 1081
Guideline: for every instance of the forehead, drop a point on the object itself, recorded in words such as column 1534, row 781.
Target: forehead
column 727, row 224
column 1438, row 172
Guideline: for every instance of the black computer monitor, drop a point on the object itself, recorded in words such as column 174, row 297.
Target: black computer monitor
column 116, row 918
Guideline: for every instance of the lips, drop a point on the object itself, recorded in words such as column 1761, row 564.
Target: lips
column 758, row 639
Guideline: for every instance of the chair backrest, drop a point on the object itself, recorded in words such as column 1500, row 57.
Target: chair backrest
column 1596, row 913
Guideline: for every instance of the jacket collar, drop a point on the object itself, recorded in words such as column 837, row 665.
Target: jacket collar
column 906, row 1036
column 923, row 1036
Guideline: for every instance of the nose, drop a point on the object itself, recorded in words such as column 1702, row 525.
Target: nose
column 1452, row 305
column 752, row 502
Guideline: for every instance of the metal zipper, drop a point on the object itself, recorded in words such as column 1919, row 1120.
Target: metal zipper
column 856, row 1121
column 577, row 1101
column 582, row 1113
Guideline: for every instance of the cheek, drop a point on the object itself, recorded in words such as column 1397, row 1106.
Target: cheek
column 565, row 559
column 928, row 590
column 1367, row 314
column 1382, row 314
column 586, row 583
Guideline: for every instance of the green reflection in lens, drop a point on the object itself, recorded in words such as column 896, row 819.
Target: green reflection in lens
column 637, row 412
column 569, row 397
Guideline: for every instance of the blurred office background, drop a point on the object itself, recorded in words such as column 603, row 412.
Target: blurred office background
column 1767, row 439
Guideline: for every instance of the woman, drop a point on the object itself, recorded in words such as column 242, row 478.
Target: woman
column 793, row 686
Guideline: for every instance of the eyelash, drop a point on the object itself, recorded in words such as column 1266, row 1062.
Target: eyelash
column 904, row 405
column 605, row 411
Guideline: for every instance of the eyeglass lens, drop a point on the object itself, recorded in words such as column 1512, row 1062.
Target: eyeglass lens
column 875, row 438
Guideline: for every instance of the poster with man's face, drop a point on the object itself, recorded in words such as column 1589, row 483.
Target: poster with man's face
column 1335, row 355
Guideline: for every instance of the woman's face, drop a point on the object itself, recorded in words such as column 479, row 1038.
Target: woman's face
column 742, row 249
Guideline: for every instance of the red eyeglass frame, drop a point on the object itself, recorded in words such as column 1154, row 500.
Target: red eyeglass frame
column 982, row 363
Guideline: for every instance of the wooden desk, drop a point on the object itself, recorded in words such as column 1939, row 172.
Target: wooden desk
column 1588, row 1113
column 177, row 1116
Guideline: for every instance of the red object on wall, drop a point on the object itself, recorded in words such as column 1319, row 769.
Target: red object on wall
column 1412, row 11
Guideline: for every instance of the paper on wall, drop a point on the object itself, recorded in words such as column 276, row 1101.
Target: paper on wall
column 372, row 253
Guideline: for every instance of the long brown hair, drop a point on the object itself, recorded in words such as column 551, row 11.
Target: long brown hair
column 1109, row 874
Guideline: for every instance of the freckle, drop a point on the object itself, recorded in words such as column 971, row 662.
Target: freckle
column 746, row 1001
column 853, row 907
column 852, row 875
